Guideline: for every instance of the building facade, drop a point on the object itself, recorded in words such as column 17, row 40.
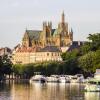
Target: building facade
column 25, row 56
column 6, row 51
column 44, row 45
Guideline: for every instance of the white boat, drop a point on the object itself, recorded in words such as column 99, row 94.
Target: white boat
column 78, row 78
column 62, row 79
column 93, row 86
column 53, row 78
column 38, row 78
column 73, row 79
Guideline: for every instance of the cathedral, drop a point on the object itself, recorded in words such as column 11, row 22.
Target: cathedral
column 45, row 45
column 61, row 36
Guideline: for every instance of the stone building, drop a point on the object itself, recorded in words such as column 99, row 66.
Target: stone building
column 30, row 55
column 62, row 36
column 44, row 45
column 6, row 51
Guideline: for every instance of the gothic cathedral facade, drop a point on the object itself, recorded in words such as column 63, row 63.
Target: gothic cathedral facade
column 61, row 36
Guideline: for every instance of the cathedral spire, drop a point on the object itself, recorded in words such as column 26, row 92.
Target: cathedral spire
column 63, row 17
column 26, row 29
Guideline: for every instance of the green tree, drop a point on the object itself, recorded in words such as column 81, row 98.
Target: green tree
column 94, row 41
column 5, row 66
column 70, row 55
column 70, row 62
column 1, row 73
column 86, row 62
column 96, row 62
column 85, row 48
column 18, row 70
column 28, row 70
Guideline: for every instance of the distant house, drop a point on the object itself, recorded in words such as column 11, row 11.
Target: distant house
column 75, row 45
column 5, row 51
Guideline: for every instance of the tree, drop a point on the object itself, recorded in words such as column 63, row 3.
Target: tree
column 5, row 66
column 70, row 55
column 1, row 73
column 85, row 48
column 17, row 69
column 96, row 62
column 70, row 62
column 28, row 70
column 86, row 62
column 94, row 41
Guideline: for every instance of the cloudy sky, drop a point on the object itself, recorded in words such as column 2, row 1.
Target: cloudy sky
column 17, row 15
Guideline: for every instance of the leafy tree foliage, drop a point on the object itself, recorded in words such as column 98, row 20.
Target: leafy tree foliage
column 5, row 66
column 86, row 61
column 90, row 59
column 70, row 55
column 23, row 71
column 70, row 61
column 94, row 41
column 85, row 48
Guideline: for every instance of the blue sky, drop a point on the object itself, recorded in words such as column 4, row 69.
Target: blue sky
column 17, row 15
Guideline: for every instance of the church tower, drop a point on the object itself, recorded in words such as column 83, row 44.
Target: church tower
column 25, row 40
column 63, row 18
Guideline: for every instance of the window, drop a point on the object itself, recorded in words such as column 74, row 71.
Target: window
column 55, row 54
column 52, row 54
column 47, row 54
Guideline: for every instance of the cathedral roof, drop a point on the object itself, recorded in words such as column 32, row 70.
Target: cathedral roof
column 57, row 31
column 53, row 30
column 33, row 34
column 29, row 49
column 76, row 45
column 50, row 49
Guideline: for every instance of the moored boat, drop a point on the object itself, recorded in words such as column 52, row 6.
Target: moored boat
column 93, row 86
column 53, row 78
column 78, row 78
column 64, row 79
column 38, row 78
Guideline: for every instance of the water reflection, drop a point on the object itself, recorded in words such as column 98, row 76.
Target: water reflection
column 49, row 91
column 92, row 96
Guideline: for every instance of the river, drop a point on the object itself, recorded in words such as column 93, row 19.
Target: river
column 22, row 90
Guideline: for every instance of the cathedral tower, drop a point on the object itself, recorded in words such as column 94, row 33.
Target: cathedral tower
column 63, row 18
column 25, row 40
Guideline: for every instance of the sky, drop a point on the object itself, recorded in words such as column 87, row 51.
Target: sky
column 17, row 15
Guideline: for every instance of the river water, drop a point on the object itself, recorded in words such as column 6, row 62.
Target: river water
column 51, row 91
